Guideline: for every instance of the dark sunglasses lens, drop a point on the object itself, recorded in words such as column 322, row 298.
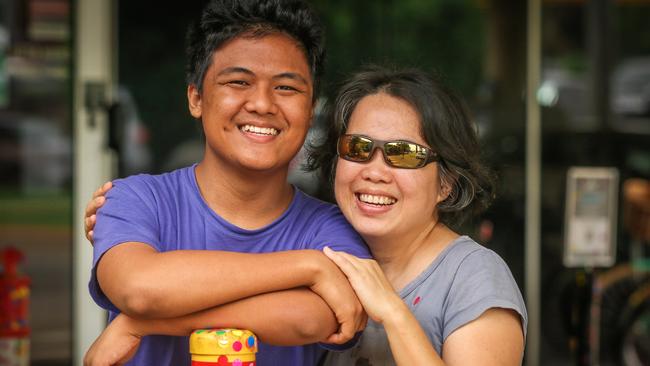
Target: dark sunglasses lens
column 403, row 154
column 355, row 148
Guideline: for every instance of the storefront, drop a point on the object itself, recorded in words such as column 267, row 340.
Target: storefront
column 94, row 89
column 52, row 150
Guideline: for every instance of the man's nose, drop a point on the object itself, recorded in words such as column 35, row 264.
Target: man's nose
column 261, row 101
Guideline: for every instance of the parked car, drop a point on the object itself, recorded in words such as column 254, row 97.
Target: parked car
column 35, row 153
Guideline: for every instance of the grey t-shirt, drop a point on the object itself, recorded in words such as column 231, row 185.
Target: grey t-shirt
column 464, row 281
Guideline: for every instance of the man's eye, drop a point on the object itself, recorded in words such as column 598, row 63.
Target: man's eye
column 287, row 88
column 237, row 82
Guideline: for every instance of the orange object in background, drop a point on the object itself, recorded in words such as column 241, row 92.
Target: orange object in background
column 14, row 311
column 223, row 347
column 636, row 195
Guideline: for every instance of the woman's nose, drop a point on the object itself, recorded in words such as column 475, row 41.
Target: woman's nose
column 376, row 169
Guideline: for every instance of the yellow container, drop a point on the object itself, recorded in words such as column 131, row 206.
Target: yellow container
column 223, row 347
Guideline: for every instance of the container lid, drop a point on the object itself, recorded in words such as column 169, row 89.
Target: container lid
column 222, row 342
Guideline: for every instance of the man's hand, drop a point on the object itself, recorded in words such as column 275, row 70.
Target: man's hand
column 116, row 345
column 332, row 285
column 93, row 205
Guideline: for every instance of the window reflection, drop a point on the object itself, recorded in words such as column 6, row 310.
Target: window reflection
column 36, row 163
column 596, row 73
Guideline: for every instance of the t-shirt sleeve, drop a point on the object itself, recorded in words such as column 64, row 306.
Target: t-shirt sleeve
column 342, row 347
column 335, row 232
column 483, row 281
column 128, row 215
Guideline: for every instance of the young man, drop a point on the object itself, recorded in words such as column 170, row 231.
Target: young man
column 228, row 242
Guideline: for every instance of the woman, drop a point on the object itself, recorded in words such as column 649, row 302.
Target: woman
column 405, row 157
column 407, row 166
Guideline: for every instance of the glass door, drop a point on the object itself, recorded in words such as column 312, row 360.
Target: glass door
column 56, row 79
column 595, row 107
column 36, row 158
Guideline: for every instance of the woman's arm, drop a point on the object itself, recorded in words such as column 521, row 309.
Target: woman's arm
column 495, row 338
column 97, row 201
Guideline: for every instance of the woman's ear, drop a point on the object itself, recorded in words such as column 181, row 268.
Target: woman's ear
column 446, row 186
column 194, row 101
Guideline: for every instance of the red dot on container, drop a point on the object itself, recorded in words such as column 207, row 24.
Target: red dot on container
column 417, row 300
column 237, row 346
column 222, row 361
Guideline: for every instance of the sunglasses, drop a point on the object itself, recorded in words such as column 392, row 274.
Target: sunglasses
column 398, row 153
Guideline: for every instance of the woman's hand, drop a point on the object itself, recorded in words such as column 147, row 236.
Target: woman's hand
column 334, row 288
column 93, row 205
column 370, row 284
column 117, row 344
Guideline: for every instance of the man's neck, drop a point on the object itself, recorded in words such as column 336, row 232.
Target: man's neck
column 247, row 199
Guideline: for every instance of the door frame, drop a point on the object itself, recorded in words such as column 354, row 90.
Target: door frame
column 94, row 84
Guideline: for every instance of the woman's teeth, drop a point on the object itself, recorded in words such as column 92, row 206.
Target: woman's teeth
column 260, row 130
column 376, row 200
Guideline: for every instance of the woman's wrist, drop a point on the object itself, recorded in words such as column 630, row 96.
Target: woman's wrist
column 397, row 315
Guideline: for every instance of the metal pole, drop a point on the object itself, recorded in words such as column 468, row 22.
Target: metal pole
column 533, row 182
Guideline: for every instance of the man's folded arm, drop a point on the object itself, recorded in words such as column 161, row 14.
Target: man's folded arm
column 144, row 283
column 284, row 318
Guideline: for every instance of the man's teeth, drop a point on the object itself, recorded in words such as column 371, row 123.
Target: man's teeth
column 376, row 200
column 260, row 130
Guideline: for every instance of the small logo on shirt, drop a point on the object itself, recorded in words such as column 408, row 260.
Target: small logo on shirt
column 417, row 300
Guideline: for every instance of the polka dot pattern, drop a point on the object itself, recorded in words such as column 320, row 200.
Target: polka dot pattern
column 237, row 346
column 223, row 347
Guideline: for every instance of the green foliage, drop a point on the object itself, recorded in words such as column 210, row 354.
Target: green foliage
column 442, row 35
column 633, row 33
column 44, row 208
column 446, row 36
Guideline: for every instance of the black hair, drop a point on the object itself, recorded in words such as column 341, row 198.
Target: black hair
column 223, row 20
column 445, row 126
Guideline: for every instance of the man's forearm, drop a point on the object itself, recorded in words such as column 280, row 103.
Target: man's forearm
column 283, row 318
column 146, row 284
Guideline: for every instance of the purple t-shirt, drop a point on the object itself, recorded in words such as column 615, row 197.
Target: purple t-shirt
column 168, row 212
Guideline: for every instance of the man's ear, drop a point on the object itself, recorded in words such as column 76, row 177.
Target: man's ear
column 194, row 101
column 312, row 115
column 316, row 107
